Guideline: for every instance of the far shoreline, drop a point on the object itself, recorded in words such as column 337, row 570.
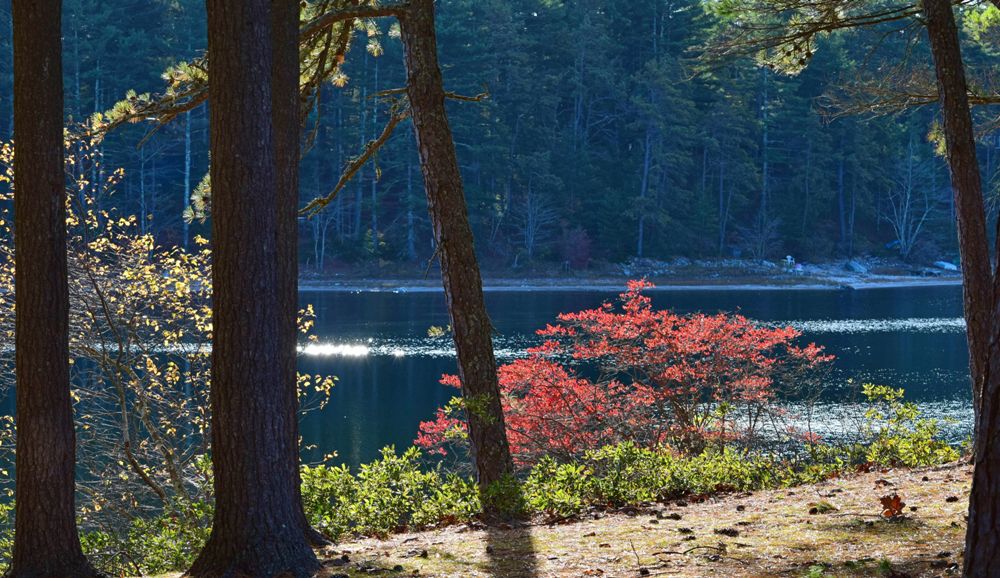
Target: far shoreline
column 606, row 285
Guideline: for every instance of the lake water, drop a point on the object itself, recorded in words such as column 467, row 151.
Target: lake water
column 388, row 368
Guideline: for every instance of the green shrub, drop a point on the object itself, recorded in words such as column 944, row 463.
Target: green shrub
column 399, row 491
column 506, row 497
column 557, row 489
column 727, row 469
column 628, row 474
column 822, row 462
column 166, row 542
column 6, row 528
column 324, row 491
column 454, row 499
column 897, row 433
column 614, row 476
column 625, row 474
column 390, row 494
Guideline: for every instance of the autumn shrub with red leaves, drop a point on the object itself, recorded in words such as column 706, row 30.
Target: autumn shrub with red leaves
column 651, row 377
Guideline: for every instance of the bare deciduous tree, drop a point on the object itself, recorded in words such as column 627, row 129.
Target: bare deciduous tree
column 911, row 202
column 536, row 217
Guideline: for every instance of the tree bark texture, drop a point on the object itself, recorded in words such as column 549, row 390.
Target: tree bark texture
column 46, row 542
column 257, row 528
column 967, row 186
column 470, row 323
column 286, row 120
column 982, row 545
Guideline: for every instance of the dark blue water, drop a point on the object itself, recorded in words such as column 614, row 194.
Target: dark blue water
column 388, row 368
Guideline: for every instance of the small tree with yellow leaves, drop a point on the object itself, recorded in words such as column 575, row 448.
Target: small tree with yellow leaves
column 140, row 340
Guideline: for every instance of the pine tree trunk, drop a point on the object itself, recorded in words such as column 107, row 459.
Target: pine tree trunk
column 982, row 544
column 10, row 78
column 967, row 187
column 257, row 528
column 285, row 115
column 46, row 542
column 471, row 325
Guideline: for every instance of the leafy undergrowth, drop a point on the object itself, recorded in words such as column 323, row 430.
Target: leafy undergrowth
column 834, row 528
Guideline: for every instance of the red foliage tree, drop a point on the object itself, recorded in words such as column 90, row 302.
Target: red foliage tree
column 655, row 378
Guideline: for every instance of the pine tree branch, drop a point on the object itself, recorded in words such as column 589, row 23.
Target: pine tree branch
column 318, row 204
column 782, row 34
column 821, row 17
column 165, row 108
column 401, row 112
column 328, row 19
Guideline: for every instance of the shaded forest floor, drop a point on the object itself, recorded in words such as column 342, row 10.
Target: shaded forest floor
column 834, row 528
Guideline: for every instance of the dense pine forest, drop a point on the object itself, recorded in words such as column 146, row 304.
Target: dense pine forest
column 603, row 137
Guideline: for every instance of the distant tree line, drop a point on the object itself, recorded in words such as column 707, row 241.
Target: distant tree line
column 602, row 138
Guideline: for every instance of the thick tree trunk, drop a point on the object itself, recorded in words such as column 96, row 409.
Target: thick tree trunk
column 463, row 286
column 10, row 116
column 982, row 545
column 967, row 186
column 46, row 542
column 285, row 115
column 258, row 527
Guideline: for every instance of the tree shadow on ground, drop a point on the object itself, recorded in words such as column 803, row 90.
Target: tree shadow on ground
column 510, row 552
column 945, row 563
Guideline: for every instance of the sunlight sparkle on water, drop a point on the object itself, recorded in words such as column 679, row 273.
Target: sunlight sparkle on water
column 338, row 349
column 906, row 325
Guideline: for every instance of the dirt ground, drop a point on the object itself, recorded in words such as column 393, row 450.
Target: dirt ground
column 836, row 528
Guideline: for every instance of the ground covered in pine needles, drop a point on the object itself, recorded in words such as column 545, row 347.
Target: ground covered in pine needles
column 850, row 526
